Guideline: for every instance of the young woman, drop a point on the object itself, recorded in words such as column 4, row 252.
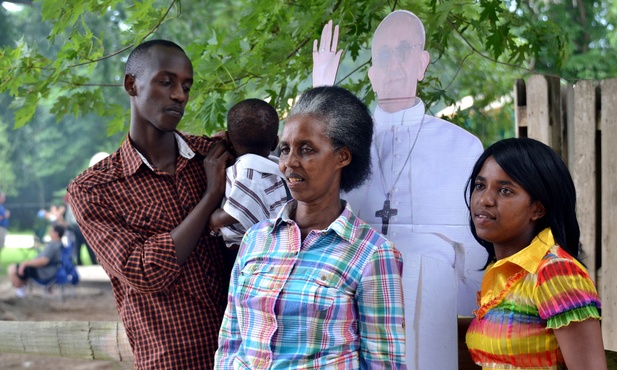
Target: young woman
column 538, row 307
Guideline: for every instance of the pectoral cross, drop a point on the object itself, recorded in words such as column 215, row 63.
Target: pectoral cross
column 385, row 214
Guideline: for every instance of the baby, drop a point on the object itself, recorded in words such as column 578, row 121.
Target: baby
column 255, row 189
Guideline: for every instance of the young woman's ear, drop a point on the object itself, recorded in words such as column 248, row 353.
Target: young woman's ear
column 539, row 212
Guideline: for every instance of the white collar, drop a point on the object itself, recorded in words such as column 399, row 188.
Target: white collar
column 406, row 117
column 183, row 149
column 261, row 164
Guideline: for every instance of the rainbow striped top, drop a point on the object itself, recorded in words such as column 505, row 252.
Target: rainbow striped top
column 541, row 287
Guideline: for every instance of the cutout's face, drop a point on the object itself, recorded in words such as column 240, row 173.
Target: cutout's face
column 161, row 91
column 502, row 211
column 398, row 61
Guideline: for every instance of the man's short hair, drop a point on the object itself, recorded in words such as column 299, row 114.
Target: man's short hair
column 59, row 229
column 253, row 124
column 138, row 58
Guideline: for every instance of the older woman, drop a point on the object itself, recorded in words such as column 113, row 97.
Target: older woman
column 317, row 287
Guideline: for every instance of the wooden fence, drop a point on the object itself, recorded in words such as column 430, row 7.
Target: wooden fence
column 580, row 122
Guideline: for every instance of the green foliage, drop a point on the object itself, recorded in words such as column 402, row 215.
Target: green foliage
column 253, row 48
column 61, row 65
column 587, row 49
column 7, row 175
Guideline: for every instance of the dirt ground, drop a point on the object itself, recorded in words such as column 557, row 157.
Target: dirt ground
column 88, row 301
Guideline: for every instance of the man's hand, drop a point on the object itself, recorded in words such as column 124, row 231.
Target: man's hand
column 219, row 135
column 325, row 57
column 217, row 159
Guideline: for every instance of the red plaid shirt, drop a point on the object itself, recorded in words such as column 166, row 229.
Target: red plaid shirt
column 172, row 314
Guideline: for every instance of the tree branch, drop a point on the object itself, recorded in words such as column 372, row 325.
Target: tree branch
column 131, row 45
column 475, row 50
column 354, row 71
column 306, row 40
column 460, row 66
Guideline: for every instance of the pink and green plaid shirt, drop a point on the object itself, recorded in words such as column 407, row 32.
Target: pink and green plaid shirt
column 333, row 300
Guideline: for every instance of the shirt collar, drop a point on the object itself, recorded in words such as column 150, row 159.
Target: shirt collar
column 529, row 257
column 406, row 117
column 262, row 164
column 343, row 225
column 134, row 158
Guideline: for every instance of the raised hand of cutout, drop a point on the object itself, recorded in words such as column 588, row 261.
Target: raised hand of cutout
column 325, row 57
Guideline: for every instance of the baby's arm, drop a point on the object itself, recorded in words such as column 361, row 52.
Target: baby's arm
column 219, row 218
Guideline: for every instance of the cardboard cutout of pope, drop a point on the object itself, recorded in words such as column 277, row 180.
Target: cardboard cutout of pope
column 416, row 196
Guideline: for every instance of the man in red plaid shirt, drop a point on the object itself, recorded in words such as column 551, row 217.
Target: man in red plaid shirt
column 144, row 210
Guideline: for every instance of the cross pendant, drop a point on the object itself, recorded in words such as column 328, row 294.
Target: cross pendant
column 385, row 214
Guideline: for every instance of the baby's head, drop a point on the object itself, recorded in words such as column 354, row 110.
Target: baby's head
column 252, row 127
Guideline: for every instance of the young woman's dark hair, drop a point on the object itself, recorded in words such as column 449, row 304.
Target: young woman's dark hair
column 544, row 175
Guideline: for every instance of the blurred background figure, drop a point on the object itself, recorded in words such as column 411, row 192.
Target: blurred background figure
column 4, row 221
column 43, row 266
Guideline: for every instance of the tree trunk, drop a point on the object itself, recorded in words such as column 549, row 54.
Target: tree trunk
column 71, row 339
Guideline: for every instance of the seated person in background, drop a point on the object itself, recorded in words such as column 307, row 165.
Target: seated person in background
column 44, row 266
column 254, row 190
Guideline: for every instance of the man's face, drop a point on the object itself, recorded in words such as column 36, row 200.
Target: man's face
column 161, row 91
column 398, row 62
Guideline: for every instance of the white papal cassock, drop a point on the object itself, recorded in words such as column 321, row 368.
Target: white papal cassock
column 430, row 228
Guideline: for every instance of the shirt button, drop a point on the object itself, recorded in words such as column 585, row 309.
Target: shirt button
column 323, row 277
column 403, row 324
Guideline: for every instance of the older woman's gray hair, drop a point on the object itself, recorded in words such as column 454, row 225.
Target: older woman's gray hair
column 348, row 123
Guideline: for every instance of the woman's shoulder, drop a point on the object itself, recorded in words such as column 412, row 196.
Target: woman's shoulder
column 556, row 255
column 367, row 236
column 266, row 226
column 559, row 263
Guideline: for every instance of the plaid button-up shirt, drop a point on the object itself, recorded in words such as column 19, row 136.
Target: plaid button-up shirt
column 331, row 301
column 126, row 210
